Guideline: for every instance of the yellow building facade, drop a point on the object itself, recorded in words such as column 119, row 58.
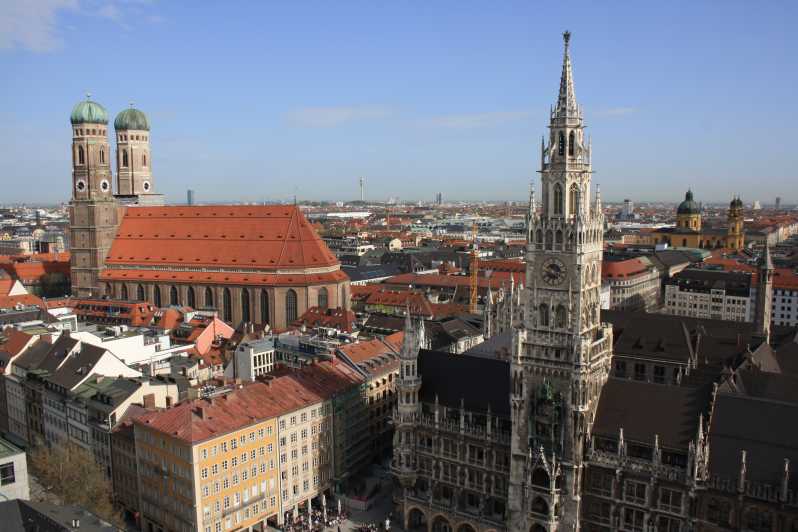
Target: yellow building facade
column 690, row 233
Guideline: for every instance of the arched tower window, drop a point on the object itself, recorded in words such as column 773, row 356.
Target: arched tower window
column 559, row 319
column 124, row 158
column 124, row 292
column 264, row 307
column 227, row 304
column 102, row 156
column 143, row 159
column 209, row 298
column 558, row 200
column 561, row 144
column 543, row 315
column 571, row 144
column 81, row 155
column 290, row 306
column 157, row 293
column 173, row 299
column 322, row 302
column 191, row 300
column 245, row 305
column 573, row 200
column 140, row 293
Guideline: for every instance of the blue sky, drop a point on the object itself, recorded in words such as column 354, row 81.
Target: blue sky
column 264, row 100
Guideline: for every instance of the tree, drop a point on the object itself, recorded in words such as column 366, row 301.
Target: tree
column 71, row 473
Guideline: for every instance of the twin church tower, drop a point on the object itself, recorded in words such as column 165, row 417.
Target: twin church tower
column 95, row 210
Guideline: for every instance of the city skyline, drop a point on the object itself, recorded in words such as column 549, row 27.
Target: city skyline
column 371, row 91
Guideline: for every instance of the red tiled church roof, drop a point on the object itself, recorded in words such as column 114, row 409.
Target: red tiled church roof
column 265, row 238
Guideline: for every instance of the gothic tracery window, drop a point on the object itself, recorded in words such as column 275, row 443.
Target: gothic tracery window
column 290, row 306
column 245, row 305
column 573, row 199
column 227, row 305
column 140, row 293
column 561, row 144
column 264, row 306
column 81, row 155
column 124, row 158
column 209, row 298
column 190, row 299
column 571, row 144
column 560, row 317
column 558, row 200
column 543, row 315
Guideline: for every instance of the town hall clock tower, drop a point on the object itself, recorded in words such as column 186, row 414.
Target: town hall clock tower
column 561, row 351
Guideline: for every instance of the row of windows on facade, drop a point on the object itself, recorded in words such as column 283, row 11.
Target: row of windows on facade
column 559, row 200
column 79, row 133
column 125, row 160
column 571, row 144
column 227, row 305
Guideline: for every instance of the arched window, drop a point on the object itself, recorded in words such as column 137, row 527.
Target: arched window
column 228, row 305
column 173, row 299
column 140, row 293
column 558, row 238
column 539, row 237
column 156, row 290
column 543, row 315
column 571, row 144
column 124, row 158
column 539, row 506
column 573, row 199
column 245, row 305
column 190, row 299
column 322, row 297
column 549, row 239
column 209, row 298
column 102, row 156
column 81, row 155
column 124, row 292
column 143, row 159
column 559, row 319
column 540, row 477
column 561, row 144
column 558, row 200
column 264, row 307
column 290, row 306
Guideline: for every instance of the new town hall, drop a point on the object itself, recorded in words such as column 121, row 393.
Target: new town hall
column 571, row 418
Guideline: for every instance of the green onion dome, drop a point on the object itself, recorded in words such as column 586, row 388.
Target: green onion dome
column 131, row 119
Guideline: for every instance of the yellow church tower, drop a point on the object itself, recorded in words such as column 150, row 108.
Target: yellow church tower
column 735, row 238
column 688, row 214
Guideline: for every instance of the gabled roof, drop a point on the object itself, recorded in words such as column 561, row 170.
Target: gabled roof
column 264, row 238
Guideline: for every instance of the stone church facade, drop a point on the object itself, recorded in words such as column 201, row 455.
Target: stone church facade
column 590, row 420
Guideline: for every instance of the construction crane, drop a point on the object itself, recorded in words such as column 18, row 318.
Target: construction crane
column 472, row 307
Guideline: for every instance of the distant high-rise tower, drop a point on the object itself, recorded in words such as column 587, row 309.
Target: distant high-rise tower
column 363, row 189
column 190, row 197
column 439, row 198
column 93, row 211
column 778, row 203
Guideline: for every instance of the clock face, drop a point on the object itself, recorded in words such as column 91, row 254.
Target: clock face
column 553, row 272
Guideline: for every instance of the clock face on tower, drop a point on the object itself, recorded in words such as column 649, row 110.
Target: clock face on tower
column 553, row 272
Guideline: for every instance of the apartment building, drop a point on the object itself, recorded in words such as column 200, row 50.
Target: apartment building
column 240, row 458
column 634, row 284
column 711, row 294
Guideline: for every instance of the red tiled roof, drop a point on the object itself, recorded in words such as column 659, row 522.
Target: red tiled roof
column 362, row 351
column 785, row 278
column 22, row 299
column 267, row 238
column 15, row 341
column 201, row 419
column 417, row 302
column 445, row 281
column 624, row 268
column 327, row 317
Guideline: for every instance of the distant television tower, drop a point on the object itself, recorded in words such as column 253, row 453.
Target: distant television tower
column 362, row 189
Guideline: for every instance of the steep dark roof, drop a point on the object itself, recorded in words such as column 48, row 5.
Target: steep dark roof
column 479, row 382
column 644, row 410
column 701, row 280
column 18, row 515
column 764, row 429
column 34, row 355
column 77, row 367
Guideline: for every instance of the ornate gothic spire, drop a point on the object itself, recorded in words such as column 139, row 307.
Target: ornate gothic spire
column 566, row 101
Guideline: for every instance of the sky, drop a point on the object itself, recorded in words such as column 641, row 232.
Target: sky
column 252, row 101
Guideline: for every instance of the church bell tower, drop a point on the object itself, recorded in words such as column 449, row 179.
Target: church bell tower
column 93, row 212
column 561, row 351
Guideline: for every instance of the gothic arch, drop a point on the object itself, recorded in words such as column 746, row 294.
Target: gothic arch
column 140, row 293
column 560, row 317
column 540, row 506
column 290, row 306
column 227, row 305
column 264, row 306
column 191, row 300
column 571, row 144
column 561, row 144
column 157, row 295
column 173, row 299
column 549, row 239
column 81, row 155
column 209, row 297
column 322, row 298
column 540, row 477
column 543, row 315
column 245, row 305
column 124, row 292
column 558, row 199
column 124, row 158
column 416, row 519
column 558, row 238
column 573, row 198
column 539, row 237
column 440, row 523
column 102, row 156
column 466, row 527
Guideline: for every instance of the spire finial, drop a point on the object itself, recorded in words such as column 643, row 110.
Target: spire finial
column 566, row 101
column 566, row 37
column 132, row 103
column 88, row 95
